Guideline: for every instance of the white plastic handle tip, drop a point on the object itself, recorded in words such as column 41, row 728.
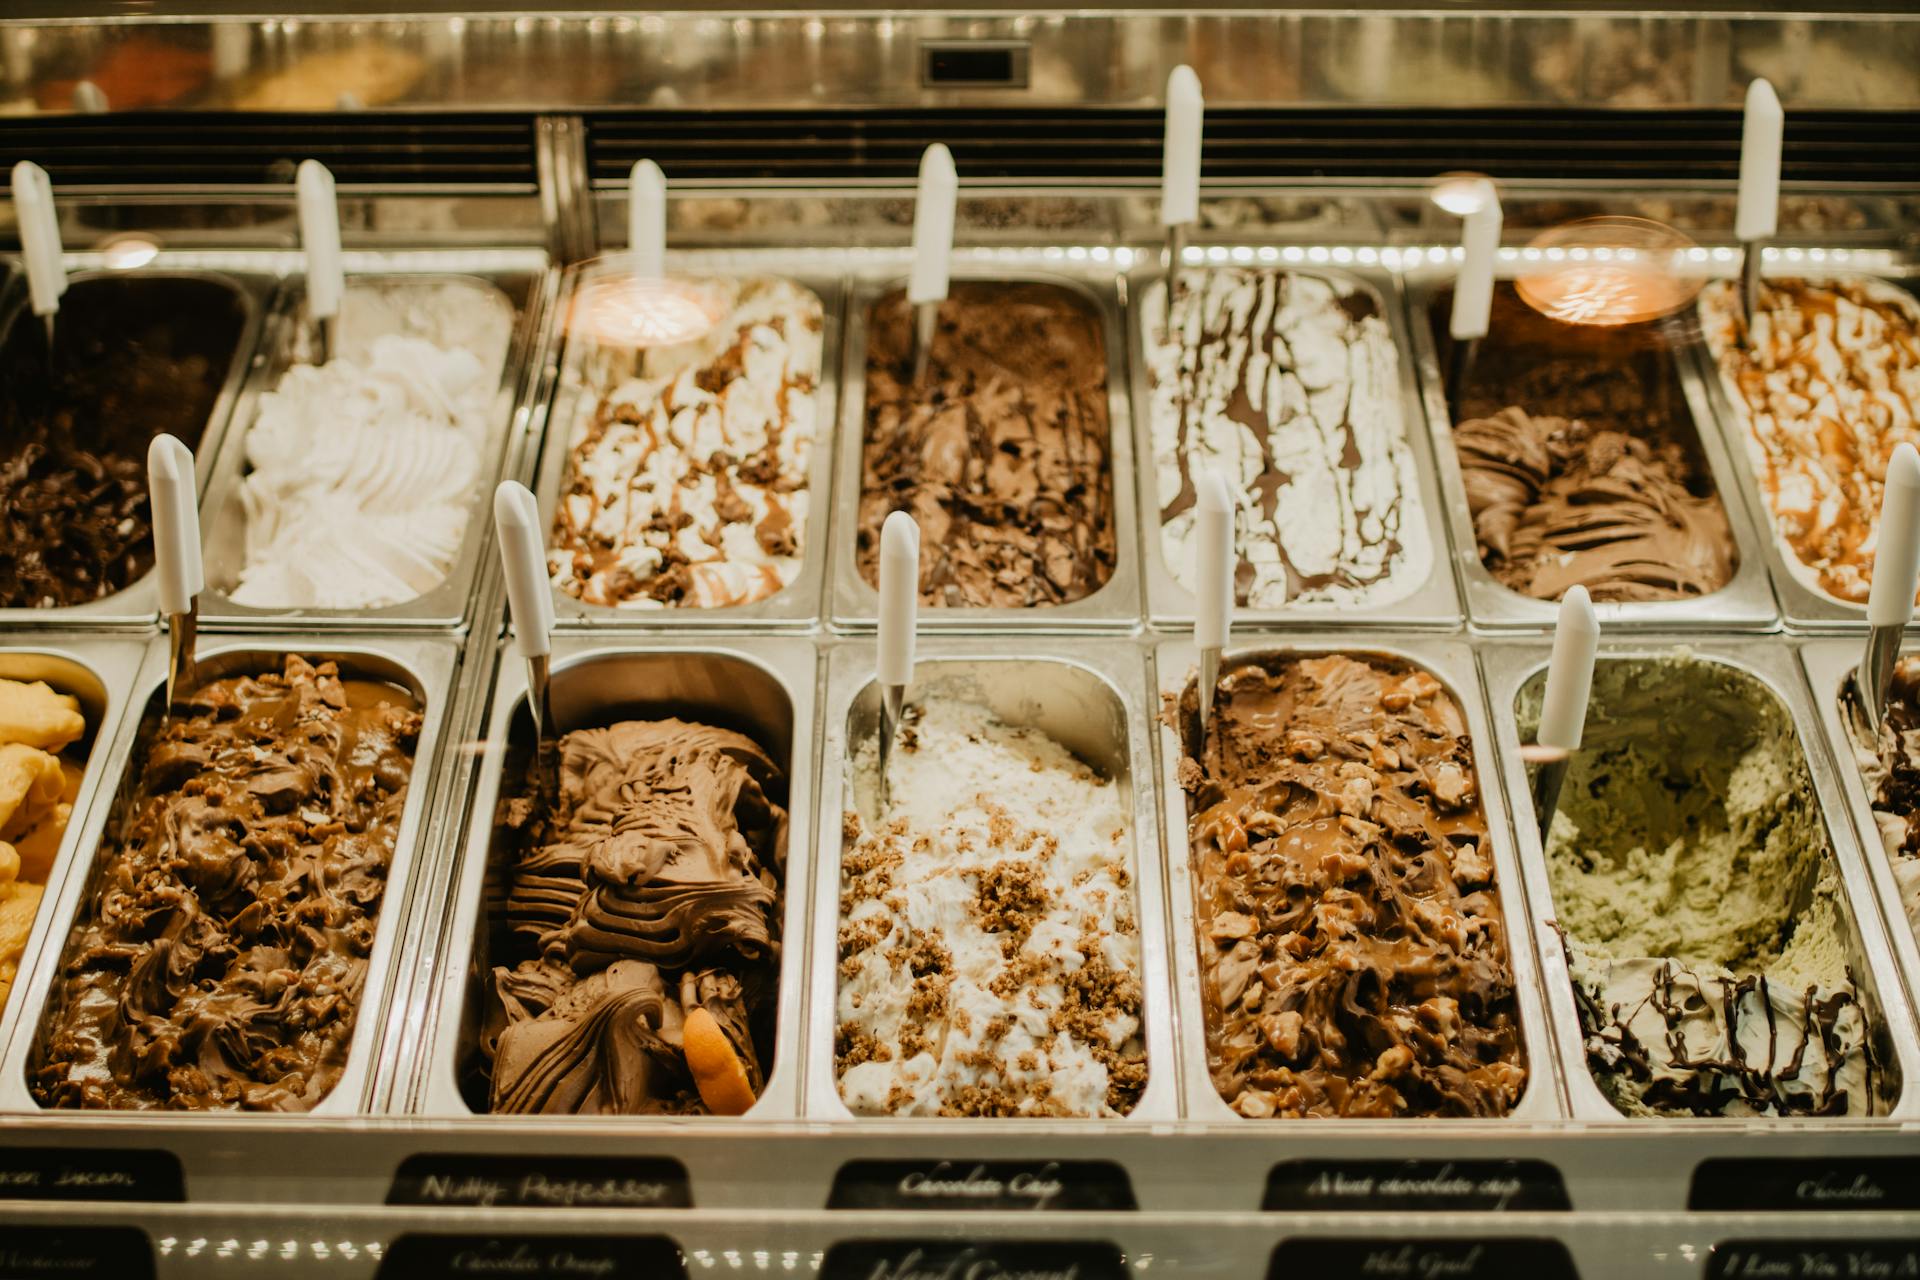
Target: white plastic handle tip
column 1473, row 290
column 1213, row 549
column 320, row 237
column 647, row 219
column 1576, row 639
column 173, row 495
column 516, row 520
column 39, row 236
column 933, row 211
column 1896, row 564
column 899, row 597
column 1180, row 153
column 1761, row 132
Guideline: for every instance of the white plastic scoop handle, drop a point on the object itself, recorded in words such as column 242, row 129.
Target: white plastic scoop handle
column 176, row 524
column 899, row 598
column 39, row 236
column 1213, row 520
column 516, row 520
column 1180, row 152
column 320, row 237
column 647, row 219
column 1576, row 639
column 933, row 226
column 1473, row 289
column 1761, row 134
column 1896, row 563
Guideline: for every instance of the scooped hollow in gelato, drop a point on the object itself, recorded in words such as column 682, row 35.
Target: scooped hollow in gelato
column 1289, row 384
column 687, row 468
column 39, row 783
column 1828, row 387
column 135, row 356
column 1353, row 946
column 1002, row 455
column 646, row 892
column 989, row 944
column 221, row 961
column 1580, row 460
column 363, row 471
column 1700, row 902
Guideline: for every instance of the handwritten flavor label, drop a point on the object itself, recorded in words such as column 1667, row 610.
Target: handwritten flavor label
column 542, row 1182
column 1367, row 1186
column 1464, row 1259
column 89, row 1173
column 28, row 1253
column 1822, row 1185
column 1815, row 1260
column 953, row 1260
column 998, row 1185
column 525, row 1257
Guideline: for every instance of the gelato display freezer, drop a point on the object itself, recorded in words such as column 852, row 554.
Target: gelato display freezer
column 695, row 946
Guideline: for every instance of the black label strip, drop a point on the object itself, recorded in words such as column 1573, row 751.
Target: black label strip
column 542, row 1182
column 1000, row 1186
column 1372, row 1186
column 91, row 1173
column 532, row 1257
column 1740, row 1184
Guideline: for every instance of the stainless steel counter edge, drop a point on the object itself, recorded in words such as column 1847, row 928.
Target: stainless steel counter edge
column 114, row 661
column 1829, row 665
column 1506, row 668
column 1806, row 609
column 1745, row 603
column 527, row 291
column 1118, row 667
column 1115, row 606
column 139, row 604
column 1435, row 603
column 430, row 663
column 794, row 607
column 790, row 662
column 1451, row 662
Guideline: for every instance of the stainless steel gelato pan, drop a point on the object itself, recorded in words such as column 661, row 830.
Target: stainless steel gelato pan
column 1743, row 679
column 1449, row 664
column 764, row 692
column 422, row 669
column 1072, row 716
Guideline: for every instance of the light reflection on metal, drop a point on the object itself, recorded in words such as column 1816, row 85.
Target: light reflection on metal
column 622, row 309
column 1611, row 271
column 1461, row 193
column 126, row 252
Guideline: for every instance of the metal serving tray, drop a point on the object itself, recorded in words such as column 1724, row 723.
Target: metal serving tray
column 795, row 606
column 1451, row 663
column 1116, row 605
column 1092, row 698
column 139, row 604
column 99, row 671
column 1508, row 668
column 422, row 666
column 765, row 689
column 527, row 292
column 1830, row 665
column 1434, row 603
column 1806, row 607
column 1745, row 603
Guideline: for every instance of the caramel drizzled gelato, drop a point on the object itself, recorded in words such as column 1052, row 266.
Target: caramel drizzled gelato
column 1829, row 385
column 1353, row 948
column 649, row 887
column 220, row 962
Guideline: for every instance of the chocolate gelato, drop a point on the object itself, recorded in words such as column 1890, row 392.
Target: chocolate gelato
column 642, row 915
column 1002, row 456
column 1581, row 463
column 221, row 960
column 136, row 356
column 1352, row 945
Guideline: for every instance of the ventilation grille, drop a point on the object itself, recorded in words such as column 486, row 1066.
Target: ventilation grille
column 1821, row 147
column 169, row 149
